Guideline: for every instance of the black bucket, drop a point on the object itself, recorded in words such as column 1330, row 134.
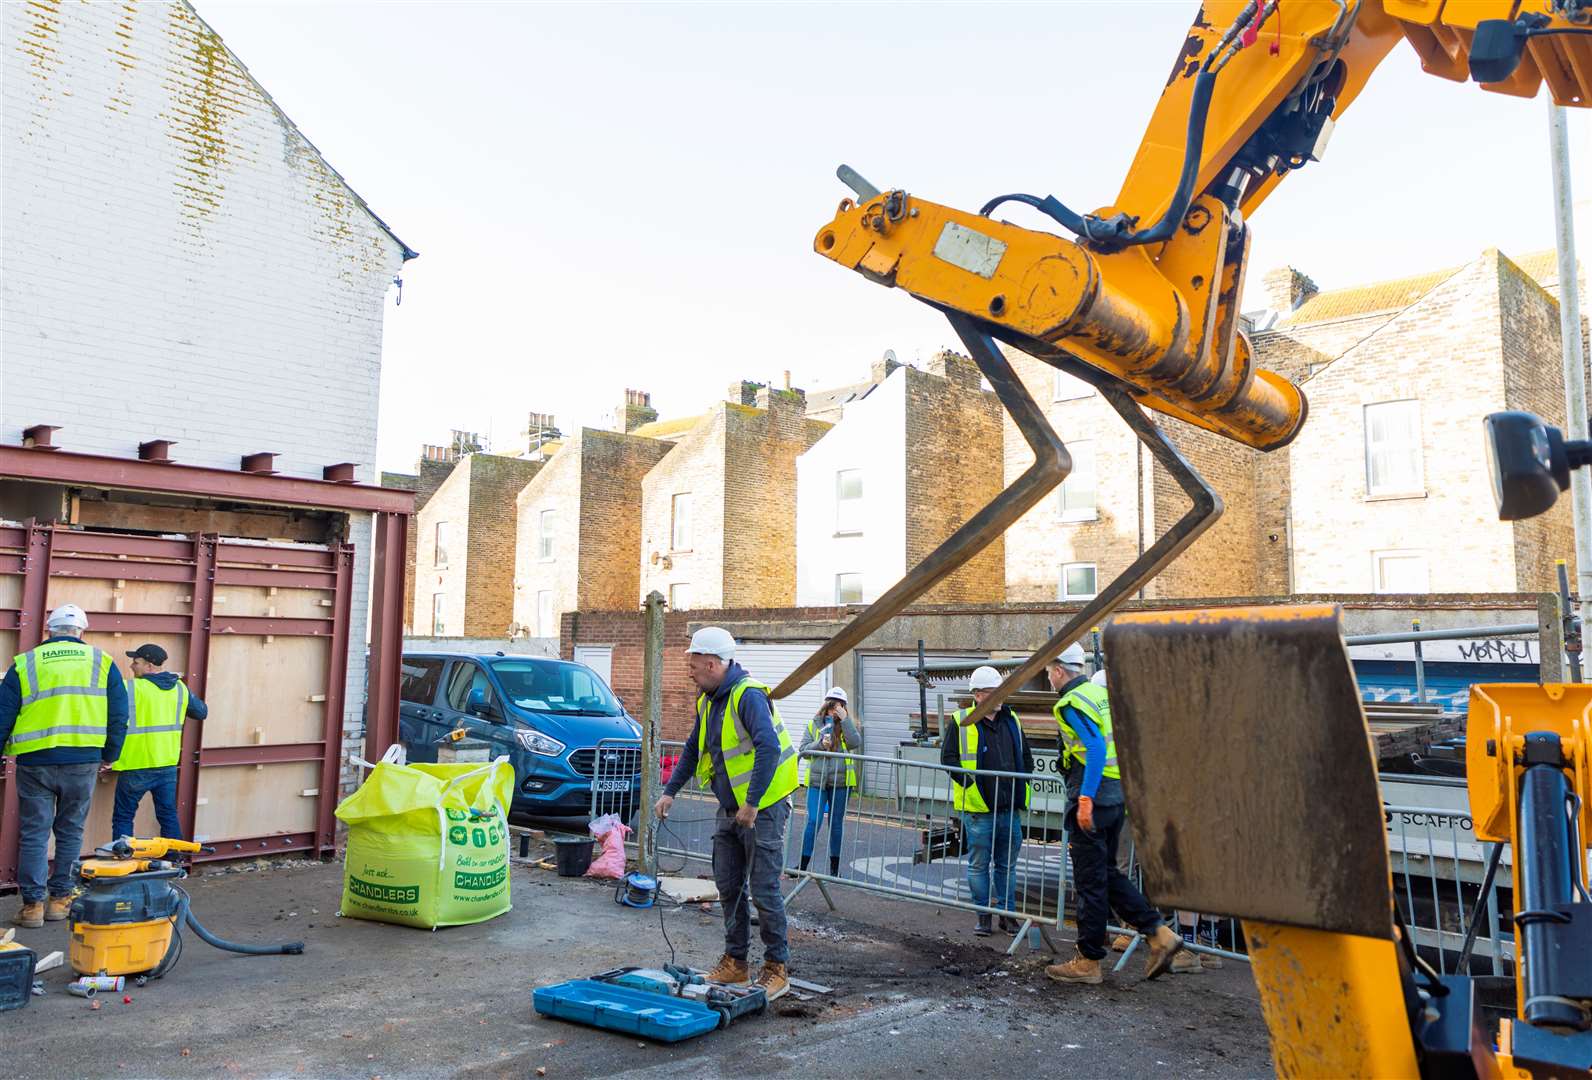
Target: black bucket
column 572, row 856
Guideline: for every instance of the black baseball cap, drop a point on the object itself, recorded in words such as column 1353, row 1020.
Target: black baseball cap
column 149, row 653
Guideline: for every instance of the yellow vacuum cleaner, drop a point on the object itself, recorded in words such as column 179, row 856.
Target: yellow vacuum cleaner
column 128, row 919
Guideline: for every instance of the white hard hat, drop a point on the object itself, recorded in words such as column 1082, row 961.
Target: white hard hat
column 1099, row 677
column 837, row 694
column 69, row 616
column 713, row 641
column 1072, row 655
column 984, row 678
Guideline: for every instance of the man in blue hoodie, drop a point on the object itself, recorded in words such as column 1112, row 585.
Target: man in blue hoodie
column 739, row 749
column 159, row 704
column 63, row 713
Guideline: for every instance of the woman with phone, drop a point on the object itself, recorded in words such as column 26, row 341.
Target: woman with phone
column 828, row 780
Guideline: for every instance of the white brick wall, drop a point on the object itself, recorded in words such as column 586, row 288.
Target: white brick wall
column 177, row 261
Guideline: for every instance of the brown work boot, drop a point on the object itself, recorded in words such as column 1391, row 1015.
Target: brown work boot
column 1209, row 962
column 730, row 971
column 773, row 979
column 58, row 909
column 1080, row 969
column 31, row 917
column 1165, row 944
column 1185, row 962
column 1121, row 942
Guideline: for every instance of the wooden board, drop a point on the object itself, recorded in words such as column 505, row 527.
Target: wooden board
column 278, row 603
column 122, row 595
column 237, row 801
column 261, row 692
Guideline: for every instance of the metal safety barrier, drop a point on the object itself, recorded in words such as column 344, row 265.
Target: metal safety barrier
column 615, row 771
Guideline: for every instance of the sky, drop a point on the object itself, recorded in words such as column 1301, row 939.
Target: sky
column 611, row 196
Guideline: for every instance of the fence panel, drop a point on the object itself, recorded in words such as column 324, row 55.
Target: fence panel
column 616, row 778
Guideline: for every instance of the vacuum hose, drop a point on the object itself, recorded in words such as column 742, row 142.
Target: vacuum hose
column 291, row 948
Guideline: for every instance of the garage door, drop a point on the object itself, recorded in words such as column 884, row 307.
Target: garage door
column 889, row 698
column 600, row 658
column 770, row 662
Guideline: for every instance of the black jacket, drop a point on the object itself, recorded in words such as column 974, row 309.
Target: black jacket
column 998, row 792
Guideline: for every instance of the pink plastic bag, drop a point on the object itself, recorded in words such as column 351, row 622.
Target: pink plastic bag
column 611, row 832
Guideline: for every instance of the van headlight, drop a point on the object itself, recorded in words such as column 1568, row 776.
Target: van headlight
column 537, row 743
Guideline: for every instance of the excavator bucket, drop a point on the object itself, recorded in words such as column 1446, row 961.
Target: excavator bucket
column 1248, row 768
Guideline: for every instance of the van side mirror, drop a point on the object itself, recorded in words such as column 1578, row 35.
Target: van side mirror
column 477, row 705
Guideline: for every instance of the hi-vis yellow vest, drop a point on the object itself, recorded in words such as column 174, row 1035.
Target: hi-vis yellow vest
column 736, row 745
column 803, row 766
column 1091, row 700
column 154, row 726
column 64, row 686
column 966, row 796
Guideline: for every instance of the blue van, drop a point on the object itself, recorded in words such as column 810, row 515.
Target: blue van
column 547, row 715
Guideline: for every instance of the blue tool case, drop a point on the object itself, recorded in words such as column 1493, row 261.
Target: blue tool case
column 620, row 1008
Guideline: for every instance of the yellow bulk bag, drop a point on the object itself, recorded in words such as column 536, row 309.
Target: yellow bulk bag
column 428, row 845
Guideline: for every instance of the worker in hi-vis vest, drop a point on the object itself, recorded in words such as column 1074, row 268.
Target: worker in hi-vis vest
column 63, row 712
column 1094, row 826
column 158, row 705
column 739, row 749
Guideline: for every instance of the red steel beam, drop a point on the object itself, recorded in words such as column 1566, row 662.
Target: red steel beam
column 310, row 558
column 243, row 847
column 146, row 547
column 93, row 470
column 68, row 566
column 198, row 675
column 35, row 585
column 271, row 624
column 260, row 754
column 336, row 691
column 13, row 564
column 386, row 634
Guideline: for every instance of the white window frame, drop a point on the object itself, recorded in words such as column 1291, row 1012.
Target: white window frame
column 1403, row 490
column 1068, row 387
column 848, row 524
column 1380, row 558
column 546, row 522
column 1061, row 581
column 544, row 613
column 439, row 625
column 439, row 546
column 675, row 591
column 862, row 593
column 1081, row 450
column 680, row 539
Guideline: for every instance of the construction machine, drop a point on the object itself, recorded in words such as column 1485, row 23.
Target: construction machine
column 1141, row 299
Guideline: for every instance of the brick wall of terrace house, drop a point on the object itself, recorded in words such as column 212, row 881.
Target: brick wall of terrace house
column 609, row 536
column 449, row 507
column 557, row 488
column 1225, row 560
column 760, row 451
column 1533, row 369
column 491, row 540
column 954, row 468
column 1296, row 361
column 694, row 468
column 1040, row 542
column 429, row 476
column 1444, row 351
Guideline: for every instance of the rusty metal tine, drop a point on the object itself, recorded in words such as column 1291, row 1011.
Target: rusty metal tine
column 1051, row 466
column 1206, row 508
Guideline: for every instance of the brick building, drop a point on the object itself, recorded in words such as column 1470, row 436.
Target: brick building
column 718, row 522
column 433, row 467
column 912, row 458
column 465, row 541
column 578, row 527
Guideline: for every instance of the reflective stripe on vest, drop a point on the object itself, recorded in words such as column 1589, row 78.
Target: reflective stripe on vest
column 154, row 726
column 966, row 796
column 804, row 766
column 64, row 685
column 735, row 746
column 1092, row 701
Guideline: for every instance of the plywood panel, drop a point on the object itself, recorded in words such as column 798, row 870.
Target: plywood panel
column 11, row 591
column 118, row 645
column 106, row 594
column 266, row 692
column 277, row 603
column 237, row 801
column 8, row 647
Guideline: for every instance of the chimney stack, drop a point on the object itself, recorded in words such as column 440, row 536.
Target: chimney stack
column 1286, row 288
column 637, row 410
column 882, row 367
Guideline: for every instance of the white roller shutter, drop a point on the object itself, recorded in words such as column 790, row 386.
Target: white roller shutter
column 889, row 698
column 769, row 662
column 600, row 658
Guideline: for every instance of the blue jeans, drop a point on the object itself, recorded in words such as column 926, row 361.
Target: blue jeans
column 997, row 835
column 130, row 788
column 51, row 797
column 821, row 801
column 749, row 861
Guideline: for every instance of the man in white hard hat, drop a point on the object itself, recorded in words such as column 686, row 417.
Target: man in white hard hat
column 63, row 713
column 829, row 781
column 990, row 805
column 739, row 749
column 1094, row 827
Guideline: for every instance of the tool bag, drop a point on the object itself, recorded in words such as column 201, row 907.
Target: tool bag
column 428, row 845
